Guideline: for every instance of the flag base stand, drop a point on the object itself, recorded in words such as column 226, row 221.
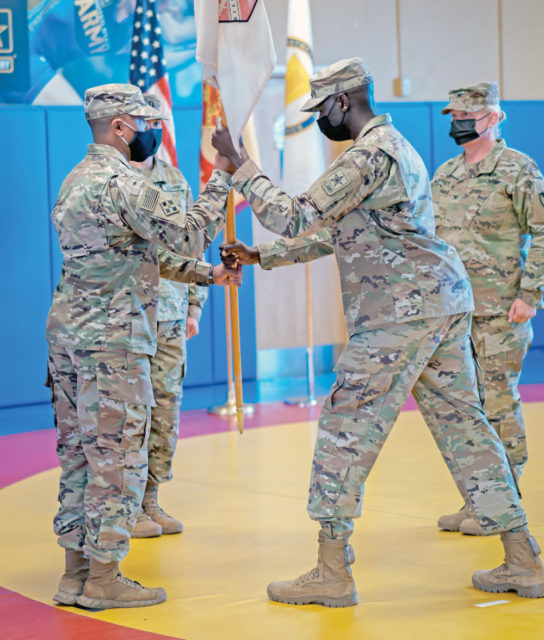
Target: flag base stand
column 229, row 409
column 303, row 402
column 310, row 400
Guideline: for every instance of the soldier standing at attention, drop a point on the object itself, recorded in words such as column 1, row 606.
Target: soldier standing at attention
column 101, row 332
column 489, row 204
column 180, row 307
column 407, row 302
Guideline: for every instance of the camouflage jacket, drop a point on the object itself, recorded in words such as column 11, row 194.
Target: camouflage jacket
column 492, row 212
column 111, row 221
column 375, row 200
column 287, row 251
column 177, row 299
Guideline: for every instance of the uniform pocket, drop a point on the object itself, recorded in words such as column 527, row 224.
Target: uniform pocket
column 517, row 337
column 125, row 377
column 479, row 373
column 125, row 395
column 352, row 391
column 491, row 215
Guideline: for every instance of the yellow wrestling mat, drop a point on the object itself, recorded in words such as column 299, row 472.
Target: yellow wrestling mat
column 242, row 501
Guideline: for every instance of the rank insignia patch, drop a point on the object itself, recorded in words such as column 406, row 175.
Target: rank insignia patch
column 148, row 199
column 169, row 207
column 338, row 180
column 541, row 197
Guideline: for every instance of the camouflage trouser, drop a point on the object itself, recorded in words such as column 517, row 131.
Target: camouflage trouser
column 102, row 403
column 167, row 370
column 501, row 347
column 376, row 372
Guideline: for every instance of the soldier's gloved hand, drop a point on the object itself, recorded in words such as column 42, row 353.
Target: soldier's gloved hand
column 224, row 276
column 221, row 141
column 239, row 253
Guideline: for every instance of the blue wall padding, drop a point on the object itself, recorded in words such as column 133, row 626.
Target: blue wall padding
column 25, row 284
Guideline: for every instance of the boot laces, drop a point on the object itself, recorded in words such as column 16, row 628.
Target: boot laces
column 154, row 507
column 142, row 516
column 500, row 570
column 127, row 581
column 309, row 576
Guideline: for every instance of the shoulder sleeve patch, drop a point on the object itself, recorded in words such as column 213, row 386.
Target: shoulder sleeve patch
column 148, row 199
column 169, row 207
column 335, row 184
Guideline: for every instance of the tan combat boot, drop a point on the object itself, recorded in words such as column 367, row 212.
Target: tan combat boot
column 471, row 526
column 145, row 527
column 522, row 570
column 452, row 521
column 329, row 584
column 152, row 509
column 106, row 588
column 75, row 573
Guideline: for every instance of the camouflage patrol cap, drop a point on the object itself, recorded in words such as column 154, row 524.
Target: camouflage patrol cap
column 341, row 76
column 474, row 97
column 155, row 103
column 109, row 100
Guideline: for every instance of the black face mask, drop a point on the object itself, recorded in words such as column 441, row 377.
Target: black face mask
column 143, row 145
column 463, row 131
column 157, row 134
column 338, row 132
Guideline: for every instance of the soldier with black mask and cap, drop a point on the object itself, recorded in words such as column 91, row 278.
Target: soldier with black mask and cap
column 489, row 205
column 407, row 303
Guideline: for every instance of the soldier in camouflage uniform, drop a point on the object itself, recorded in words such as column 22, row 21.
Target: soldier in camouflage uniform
column 407, row 302
column 101, row 332
column 180, row 308
column 489, row 204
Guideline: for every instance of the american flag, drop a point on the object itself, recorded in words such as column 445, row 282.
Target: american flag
column 148, row 70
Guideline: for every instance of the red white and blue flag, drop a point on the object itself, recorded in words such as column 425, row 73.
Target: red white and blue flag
column 148, row 70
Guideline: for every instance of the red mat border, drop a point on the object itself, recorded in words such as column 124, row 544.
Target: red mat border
column 25, row 619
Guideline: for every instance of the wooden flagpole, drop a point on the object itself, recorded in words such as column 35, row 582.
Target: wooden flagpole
column 230, row 233
column 230, row 237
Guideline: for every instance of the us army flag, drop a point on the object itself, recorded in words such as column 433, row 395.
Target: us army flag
column 303, row 160
column 234, row 45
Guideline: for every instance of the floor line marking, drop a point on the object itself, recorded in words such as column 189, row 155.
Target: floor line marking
column 493, row 603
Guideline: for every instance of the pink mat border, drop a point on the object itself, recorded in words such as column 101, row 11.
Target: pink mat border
column 25, row 454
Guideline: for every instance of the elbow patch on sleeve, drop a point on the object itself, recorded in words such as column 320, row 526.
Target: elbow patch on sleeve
column 334, row 184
